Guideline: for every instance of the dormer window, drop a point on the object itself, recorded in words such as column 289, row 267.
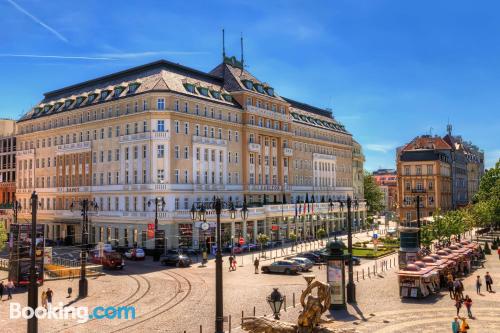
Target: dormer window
column 203, row 91
column 248, row 84
column 67, row 103
column 270, row 91
column 37, row 110
column 133, row 87
column 190, row 88
column 215, row 94
column 259, row 88
column 104, row 94
column 227, row 97
column 118, row 91
column 79, row 100
column 57, row 106
column 91, row 98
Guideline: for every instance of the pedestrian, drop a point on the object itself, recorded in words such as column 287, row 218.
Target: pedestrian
column 70, row 290
column 478, row 285
column 49, row 294
column 1, row 290
column 44, row 299
column 450, row 288
column 456, row 288
column 458, row 305
column 463, row 326
column 489, row 281
column 256, row 265
column 461, row 289
column 498, row 251
column 468, row 305
column 455, row 325
column 10, row 289
column 234, row 264
column 230, row 262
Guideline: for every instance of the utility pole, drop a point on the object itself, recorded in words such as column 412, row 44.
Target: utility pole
column 33, row 283
column 351, row 288
column 83, row 286
column 418, row 220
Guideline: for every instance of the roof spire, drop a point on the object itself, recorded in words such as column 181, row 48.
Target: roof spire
column 223, row 47
column 241, row 42
column 449, row 128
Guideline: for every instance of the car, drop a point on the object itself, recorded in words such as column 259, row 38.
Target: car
column 109, row 259
column 283, row 267
column 135, row 254
column 50, row 242
column 311, row 256
column 175, row 259
column 355, row 261
column 304, row 264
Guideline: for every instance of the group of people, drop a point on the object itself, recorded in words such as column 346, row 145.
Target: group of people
column 47, row 296
column 487, row 280
column 7, row 288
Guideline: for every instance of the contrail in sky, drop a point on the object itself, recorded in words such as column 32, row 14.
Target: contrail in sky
column 35, row 19
column 53, row 56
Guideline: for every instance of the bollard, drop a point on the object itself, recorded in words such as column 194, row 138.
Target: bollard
column 242, row 317
column 357, row 276
column 368, row 271
column 363, row 273
column 284, row 299
column 293, row 299
column 230, row 323
column 254, row 311
column 201, row 329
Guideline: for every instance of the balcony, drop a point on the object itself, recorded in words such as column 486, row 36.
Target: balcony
column 288, row 151
column 209, row 187
column 418, row 190
column 254, row 147
column 71, row 148
column 25, row 153
column 209, row 141
column 135, row 137
column 268, row 113
column 265, row 188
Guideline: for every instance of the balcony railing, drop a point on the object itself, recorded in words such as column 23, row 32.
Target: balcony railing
column 270, row 188
column 209, row 141
column 418, row 190
column 74, row 147
column 288, row 151
column 254, row 147
column 268, row 113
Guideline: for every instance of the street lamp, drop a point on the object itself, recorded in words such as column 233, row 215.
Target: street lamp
column 33, row 283
column 356, row 209
column 351, row 288
column 218, row 204
column 330, row 213
column 157, row 201
column 275, row 301
column 244, row 209
column 83, row 286
column 417, row 201
column 16, row 207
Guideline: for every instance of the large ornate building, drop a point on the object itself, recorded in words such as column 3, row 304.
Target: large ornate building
column 7, row 162
column 386, row 180
column 163, row 130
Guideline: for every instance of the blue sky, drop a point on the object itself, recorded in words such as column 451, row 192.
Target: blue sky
column 390, row 70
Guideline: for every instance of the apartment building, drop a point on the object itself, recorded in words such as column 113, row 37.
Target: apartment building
column 7, row 162
column 163, row 130
column 386, row 179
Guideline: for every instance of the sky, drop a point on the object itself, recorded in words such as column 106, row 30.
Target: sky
column 390, row 70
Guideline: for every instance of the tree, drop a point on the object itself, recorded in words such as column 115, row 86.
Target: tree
column 373, row 194
column 426, row 235
column 262, row 239
column 320, row 233
column 293, row 237
column 487, row 199
column 3, row 236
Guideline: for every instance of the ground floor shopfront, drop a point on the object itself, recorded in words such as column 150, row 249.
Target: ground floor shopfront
column 137, row 229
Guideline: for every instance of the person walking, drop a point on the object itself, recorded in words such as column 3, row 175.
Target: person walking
column 478, row 285
column 468, row 305
column 455, row 325
column 49, row 294
column 461, row 289
column 458, row 305
column 44, row 299
column 489, row 281
column 256, row 265
column 234, row 264
column 2, row 287
column 498, row 251
column 456, row 288
column 463, row 326
column 230, row 262
column 70, row 291
column 450, row 288
column 10, row 289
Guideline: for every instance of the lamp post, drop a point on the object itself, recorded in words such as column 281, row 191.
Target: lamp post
column 16, row 207
column 33, row 284
column 351, row 288
column 83, row 286
column 356, row 209
column 157, row 201
column 275, row 301
column 218, row 204
column 418, row 219
column 330, row 214
column 341, row 209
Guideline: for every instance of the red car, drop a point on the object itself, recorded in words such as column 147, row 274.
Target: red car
column 109, row 259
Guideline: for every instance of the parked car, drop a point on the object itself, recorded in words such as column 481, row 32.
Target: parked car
column 135, row 254
column 50, row 242
column 355, row 261
column 249, row 247
column 311, row 256
column 109, row 259
column 304, row 264
column 175, row 259
column 283, row 267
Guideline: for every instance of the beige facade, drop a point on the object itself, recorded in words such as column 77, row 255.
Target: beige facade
column 165, row 130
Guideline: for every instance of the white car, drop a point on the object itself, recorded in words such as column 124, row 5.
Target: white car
column 304, row 263
column 135, row 254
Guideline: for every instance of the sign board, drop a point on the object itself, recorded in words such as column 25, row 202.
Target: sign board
column 151, row 230
column 241, row 241
column 375, row 236
column 47, row 255
column 335, row 280
column 275, row 227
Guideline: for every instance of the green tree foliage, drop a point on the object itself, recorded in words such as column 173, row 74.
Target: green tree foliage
column 373, row 194
column 262, row 239
column 487, row 199
column 320, row 233
column 3, row 236
column 426, row 235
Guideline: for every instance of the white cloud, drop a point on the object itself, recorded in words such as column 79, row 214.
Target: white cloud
column 53, row 56
column 128, row 55
column 380, row 147
column 37, row 20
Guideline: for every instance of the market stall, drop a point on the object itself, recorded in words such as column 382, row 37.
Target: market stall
column 415, row 281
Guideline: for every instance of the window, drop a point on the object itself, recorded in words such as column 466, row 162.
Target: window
column 160, row 175
column 229, row 135
column 176, row 106
column 429, row 170
column 186, row 107
column 419, row 170
column 252, row 158
column 176, row 126
column 160, row 126
column 407, row 170
column 197, row 130
column 197, row 154
column 160, row 151
column 186, row 176
column 161, row 104
column 430, row 185
column 176, row 176
column 236, row 136
column 219, row 133
column 186, row 153
column 408, row 186
column 176, row 152
column 144, row 105
column 186, row 128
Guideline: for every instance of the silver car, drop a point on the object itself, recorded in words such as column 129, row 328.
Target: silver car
column 282, row 266
column 304, row 263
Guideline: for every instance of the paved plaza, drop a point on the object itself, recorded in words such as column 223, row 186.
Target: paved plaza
column 178, row 300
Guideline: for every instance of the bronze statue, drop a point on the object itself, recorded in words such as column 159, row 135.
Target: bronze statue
column 309, row 318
